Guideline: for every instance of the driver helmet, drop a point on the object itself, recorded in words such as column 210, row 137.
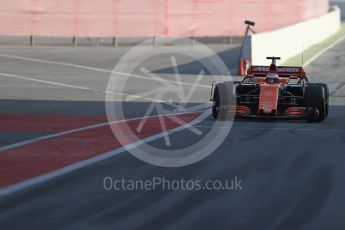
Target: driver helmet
column 271, row 78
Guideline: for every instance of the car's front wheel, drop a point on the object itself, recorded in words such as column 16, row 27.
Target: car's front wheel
column 216, row 103
column 222, row 100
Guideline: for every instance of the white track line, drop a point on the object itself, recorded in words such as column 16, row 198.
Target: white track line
column 44, row 81
column 317, row 55
column 277, row 129
column 45, row 177
column 73, row 167
column 96, row 69
column 30, row 141
column 80, row 87
column 75, row 86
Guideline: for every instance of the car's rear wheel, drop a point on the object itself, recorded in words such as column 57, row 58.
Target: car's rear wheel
column 315, row 99
column 326, row 96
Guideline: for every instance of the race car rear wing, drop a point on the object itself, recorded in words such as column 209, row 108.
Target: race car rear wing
column 283, row 71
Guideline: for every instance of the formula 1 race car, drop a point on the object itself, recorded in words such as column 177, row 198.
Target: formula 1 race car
column 271, row 91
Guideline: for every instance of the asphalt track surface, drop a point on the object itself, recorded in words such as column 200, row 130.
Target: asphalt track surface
column 292, row 172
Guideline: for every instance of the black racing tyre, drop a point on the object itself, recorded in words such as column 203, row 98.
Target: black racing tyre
column 315, row 98
column 222, row 101
column 216, row 102
column 326, row 96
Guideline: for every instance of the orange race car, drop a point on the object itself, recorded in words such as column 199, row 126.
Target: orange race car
column 271, row 91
